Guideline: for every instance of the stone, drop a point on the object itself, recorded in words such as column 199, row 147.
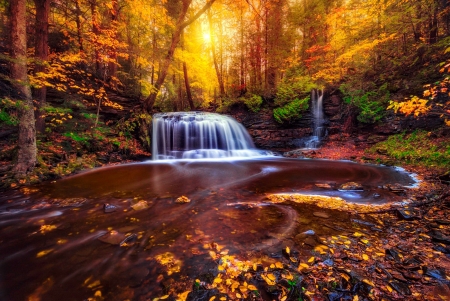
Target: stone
column 182, row 200
column 321, row 214
column 351, row 186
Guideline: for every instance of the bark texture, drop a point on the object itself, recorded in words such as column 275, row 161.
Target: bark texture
column 26, row 159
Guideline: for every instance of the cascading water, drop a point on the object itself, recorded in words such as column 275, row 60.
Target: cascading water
column 198, row 135
column 319, row 130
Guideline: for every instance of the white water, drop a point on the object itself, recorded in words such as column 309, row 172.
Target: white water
column 318, row 122
column 197, row 135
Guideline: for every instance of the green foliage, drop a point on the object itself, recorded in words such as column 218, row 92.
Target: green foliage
column 126, row 127
column 8, row 112
column 291, row 111
column 289, row 91
column 418, row 148
column 253, row 103
column 371, row 103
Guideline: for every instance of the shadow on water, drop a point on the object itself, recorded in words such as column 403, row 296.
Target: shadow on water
column 119, row 230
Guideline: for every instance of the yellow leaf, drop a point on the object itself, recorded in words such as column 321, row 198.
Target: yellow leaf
column 252, row 287
column 271, row 277
column 355, row 298
column 279, row 265
column 345, row 276
column 164, row 297
column 311, row 259
column 365, row 257
column 283, row 298
column 303, row 266
column 367, row 281
column 288, row 251
column 255, row 267
column 357, row 234
column 213, row 255
column 43, row 253
column 183, row 296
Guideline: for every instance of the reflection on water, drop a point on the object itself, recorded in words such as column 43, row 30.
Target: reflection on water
column 59, row 242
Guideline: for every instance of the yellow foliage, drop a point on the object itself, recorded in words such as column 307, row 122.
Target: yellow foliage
column 415, row 105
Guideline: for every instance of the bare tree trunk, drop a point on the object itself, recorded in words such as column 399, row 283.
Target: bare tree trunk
column 181, row 24
column 186, row 79
column 188, row 87
column 78, row 22
column 26, row 159
column 96, row 32
column 41, row 55
column 213, row 50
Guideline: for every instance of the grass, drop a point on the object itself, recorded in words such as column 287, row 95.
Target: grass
column 419, row 148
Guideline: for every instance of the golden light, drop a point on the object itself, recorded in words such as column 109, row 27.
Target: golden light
column 207, row 37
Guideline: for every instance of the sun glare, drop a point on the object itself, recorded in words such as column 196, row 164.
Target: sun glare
column 207, row 37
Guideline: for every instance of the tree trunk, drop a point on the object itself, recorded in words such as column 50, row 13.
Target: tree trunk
column 26, row 159
column 41, row 55
column 78, row 22
column 186, row 79
column 96, row 32
column 188, row 87
column 213, row 50
column 181, row 24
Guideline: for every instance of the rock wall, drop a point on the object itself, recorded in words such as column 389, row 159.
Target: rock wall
column 342, row 124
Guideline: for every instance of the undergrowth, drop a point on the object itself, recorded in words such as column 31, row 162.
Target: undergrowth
column 416, row 148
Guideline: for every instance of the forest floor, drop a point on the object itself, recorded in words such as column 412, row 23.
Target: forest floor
column 389, row 253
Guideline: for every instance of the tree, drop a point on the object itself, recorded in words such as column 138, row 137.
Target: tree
column 179, row 27
column 41, row 57
column 26, row 159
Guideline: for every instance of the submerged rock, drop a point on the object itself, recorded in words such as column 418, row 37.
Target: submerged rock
column 182, row 200
column 351, row 186
column 321, row 214
column 107, row 208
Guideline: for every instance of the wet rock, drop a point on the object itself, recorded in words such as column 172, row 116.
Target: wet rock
column 439, row 237
column 202, row 295
column 182, row 200
column 398, row 276
column 140, row 205
column 394, row 254
column 309, row 232
column 412, row 275
column 351, row 186
column 339, row 296
column 438, row 273
column 400, row 287
column 107, row 208
column 406, row 214
column 113, row 237
column 321, row 214
column 395, row 188
column 129, row 240
column 324, row 185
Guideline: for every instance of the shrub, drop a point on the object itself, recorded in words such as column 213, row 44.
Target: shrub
column 289, row 91
column 8, row 112
column 253, row 103
column 291, row 111
column 371, row 104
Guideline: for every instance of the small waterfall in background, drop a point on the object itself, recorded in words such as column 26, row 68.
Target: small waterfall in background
column 198, row 135
column 319, row 131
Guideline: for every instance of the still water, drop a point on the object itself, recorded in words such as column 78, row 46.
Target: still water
column 118, row 231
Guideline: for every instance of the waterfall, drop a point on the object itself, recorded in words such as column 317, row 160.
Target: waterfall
column 198, row 135
column 319, row 130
